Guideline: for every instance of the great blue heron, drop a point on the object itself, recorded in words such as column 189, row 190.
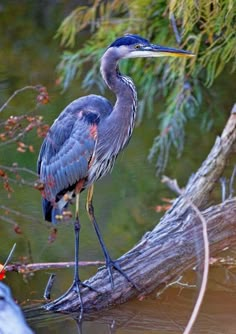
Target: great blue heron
column 85, row 140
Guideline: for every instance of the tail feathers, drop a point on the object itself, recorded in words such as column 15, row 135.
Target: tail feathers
column 51, row 212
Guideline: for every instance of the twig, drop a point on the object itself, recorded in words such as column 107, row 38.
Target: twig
column 177, row 282
column 8, row 258
column 47, row 291
column 175, row 29
column 21, row 181
column 13, row 169
column 17, row 92
column 14, row 139
column 227, row 261
column 173, row 185
column 20, row 214
column 8, row 220
column 205, row 271
column 22, row 268
column 231, row 183
column 223, row 188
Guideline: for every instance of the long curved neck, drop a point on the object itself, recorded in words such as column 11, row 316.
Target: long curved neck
column 117, row 83
column 124, row 111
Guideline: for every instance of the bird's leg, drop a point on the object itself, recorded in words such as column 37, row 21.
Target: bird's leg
column 76, row 230
column 109, row 262
column 76, row 282
column 76, row 285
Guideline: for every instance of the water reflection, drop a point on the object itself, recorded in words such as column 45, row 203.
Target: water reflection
column 169, row 314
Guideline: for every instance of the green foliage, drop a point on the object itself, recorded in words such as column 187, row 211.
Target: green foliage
column 205, row 27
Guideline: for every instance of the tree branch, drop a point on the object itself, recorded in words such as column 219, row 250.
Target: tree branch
column 32, row 267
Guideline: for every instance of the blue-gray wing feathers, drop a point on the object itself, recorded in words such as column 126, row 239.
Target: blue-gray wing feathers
column 68, row 148
column 63, row 165
column 69, row 145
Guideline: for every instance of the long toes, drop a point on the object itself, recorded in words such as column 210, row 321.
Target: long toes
column 85, row 285
column 72, row 289
column 79, row 284
column 117, row 267
column 109, row 268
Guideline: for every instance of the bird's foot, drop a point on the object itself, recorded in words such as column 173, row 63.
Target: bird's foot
column 74, row 288
column 77, row 284
column 114, row 264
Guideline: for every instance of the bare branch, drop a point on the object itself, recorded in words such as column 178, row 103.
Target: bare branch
column 17, row 92
column 177, row 282
column 20, row 214
column 15, row 169
column 175, row 29
column 205, row 271
column 9, row 257
column 173, row 185
column 32, row 267
column 231, row 183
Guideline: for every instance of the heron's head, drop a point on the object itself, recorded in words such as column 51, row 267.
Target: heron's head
column 134, row 46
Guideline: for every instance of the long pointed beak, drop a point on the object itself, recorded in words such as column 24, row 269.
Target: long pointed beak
column 161, row 51
column 153, row 50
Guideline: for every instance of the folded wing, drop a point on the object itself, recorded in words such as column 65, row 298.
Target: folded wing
column 66, row 152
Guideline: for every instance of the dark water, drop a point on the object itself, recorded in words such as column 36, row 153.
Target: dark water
column 124, row 201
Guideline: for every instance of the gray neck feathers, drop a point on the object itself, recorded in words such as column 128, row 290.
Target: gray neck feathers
column 122, row 118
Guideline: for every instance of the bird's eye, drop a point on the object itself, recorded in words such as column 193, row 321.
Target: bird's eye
column 137, row 46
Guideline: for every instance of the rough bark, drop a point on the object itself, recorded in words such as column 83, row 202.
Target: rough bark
column 172, row 246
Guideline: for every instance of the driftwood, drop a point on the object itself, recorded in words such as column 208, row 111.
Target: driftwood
column 175, row 244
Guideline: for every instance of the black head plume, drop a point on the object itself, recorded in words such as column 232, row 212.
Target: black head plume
column 129, row 39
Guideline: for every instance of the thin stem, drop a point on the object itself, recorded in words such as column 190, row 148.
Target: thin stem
column 47, row 291
column 223, row 188
column 15, row 93
column 15, row 169
column 173, row 185
column 9, row 256
column 32, row 267
column 175, row 29
column 205, row 270
column 231, row 183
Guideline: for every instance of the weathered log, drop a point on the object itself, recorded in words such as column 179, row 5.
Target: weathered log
column 171, row 247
